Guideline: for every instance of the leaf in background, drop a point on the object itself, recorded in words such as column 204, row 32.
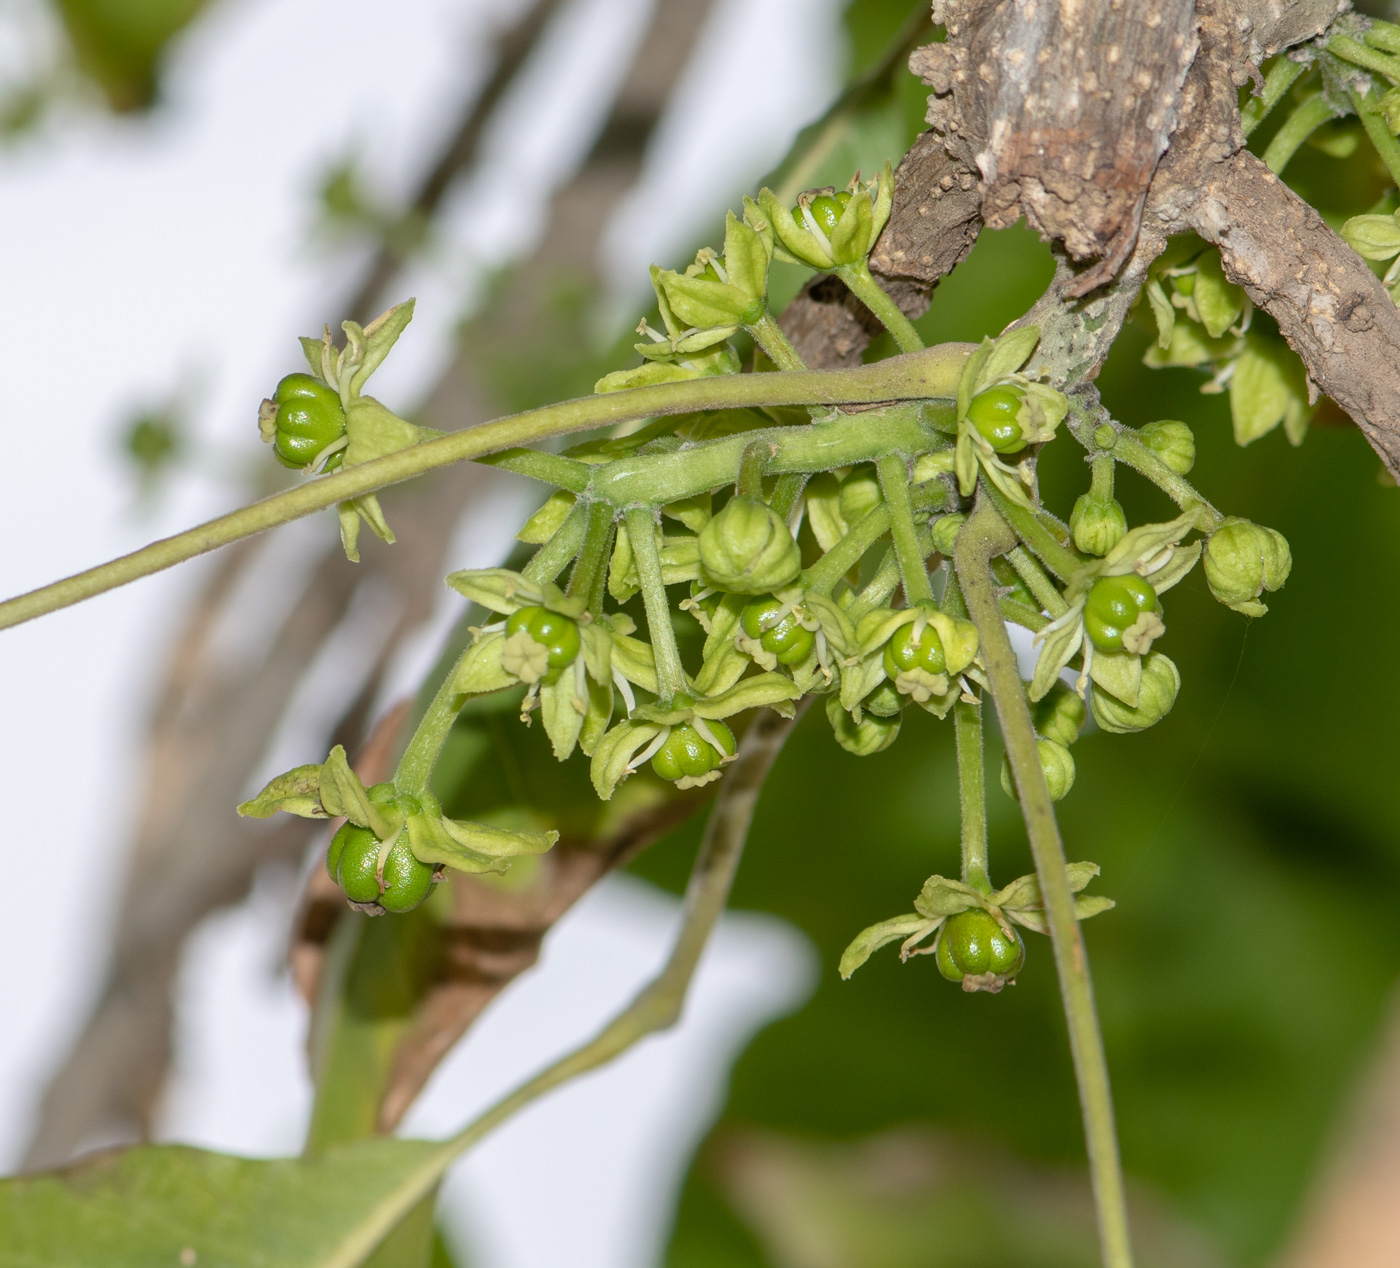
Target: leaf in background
column 119, row 43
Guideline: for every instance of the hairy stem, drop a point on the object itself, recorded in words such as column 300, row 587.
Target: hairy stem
column 787, row 491
column 878, row 589
column 769, row 336
column 641, row 532
column 1036, row 581
column 1281, row 77
column 657, row 1007
column 894, row 484
column 984, row 536
column 1368, row 111
column 1297, row 128
column 752, row 462
column 1062, row 561
column 928, row 375
column 870, row 293
column 593, row 557
column 1359, row 55
column 823, row 575
column 972, row 795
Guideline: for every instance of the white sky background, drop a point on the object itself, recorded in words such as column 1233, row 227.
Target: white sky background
column 171, row 255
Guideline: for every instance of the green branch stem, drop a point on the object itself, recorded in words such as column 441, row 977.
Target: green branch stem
column 984, row 536
column 913, row 570
column 1378, row 130
column 1281, row 77
column 657, row 1007
column 972, row 795
column 1296, row 129
column 1036, row 581
column 592, row 559
column 922, row 376
column 823, row 575
column 560, row 550
column 1367, row 58
column 1056, row 556
column 769, row 336
column 878, row 589
column 641, row 532
column 865, row 288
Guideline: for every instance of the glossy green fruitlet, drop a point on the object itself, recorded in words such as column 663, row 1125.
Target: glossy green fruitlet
column 686, row 754
column 903, row 653
column 826, row 211
column 558, row 635
column 309, row 417
column 779, row 631
column 356, row 863
column 1114, row 605
column 407, row 880
column 975, row 950
column 993, row 413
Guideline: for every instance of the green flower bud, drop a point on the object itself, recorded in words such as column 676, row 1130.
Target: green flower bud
column 994, row 414
column 1059, row 715
column 945, row 532
column 778, row 630
column 539, row 644
column 872, row 734
column 1242, row 560
column 1055, row 761
column 303, row 417
column 975, row 950
column 1105, row 437
column 1097, row 524
column 1160, row 683
column 688, row 758
column 885, row 701
column 1123, row 614
column 1172, row 442
column 860, row 493
column 747, row 549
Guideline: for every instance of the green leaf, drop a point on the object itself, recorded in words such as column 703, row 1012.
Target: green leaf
column 870, row 940
column 1162, row 310
column 471, row 847
column 1268, row 387
column 380, row 336
column 942, row 897
column 171, row 1204
column 1219, row 303
column 1058, row 646
column 298, row 792
column 342, row 793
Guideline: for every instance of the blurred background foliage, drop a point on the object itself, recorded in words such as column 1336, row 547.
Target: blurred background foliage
column 1249, row 840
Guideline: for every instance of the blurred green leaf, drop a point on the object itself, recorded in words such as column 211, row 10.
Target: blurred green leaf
column 119, row 44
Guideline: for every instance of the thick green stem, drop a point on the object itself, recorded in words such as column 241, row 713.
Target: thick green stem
column 1036, row 581
column 1062, row 561
column 1379, row 132
column 1281, row 77
column 1384, row 35
column 549, row 468
column 924, row 376
column 823, row 575
column 913, row 571
column 657, row 1007
column 878, row 589
column 866, row 289
column 1101, row 476
column 787, row 491
column 972, row 795
column 641, row 532
column 984, row 536
column 1368, row 58
column 752, row 464
column 420, row 756
column 769, row 336
column 1297, row 128
column 593, row 557
column 1131, row 451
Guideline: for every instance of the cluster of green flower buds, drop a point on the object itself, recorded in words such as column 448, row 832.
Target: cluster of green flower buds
column 746, row 548
column 1242, row 560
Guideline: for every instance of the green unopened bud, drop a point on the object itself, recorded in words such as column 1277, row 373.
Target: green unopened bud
column 1059, row 715
column 885, row 701
column 1057, row 764
column 1373, row 237
column 1097, row 524
column 945, row 532
column 1242, row 560
column 870, row 735
column 974, row 949
column 860, row 494
column 747, row 549
column 1390, row 109
column 1160, row 683
column 1172, row 442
